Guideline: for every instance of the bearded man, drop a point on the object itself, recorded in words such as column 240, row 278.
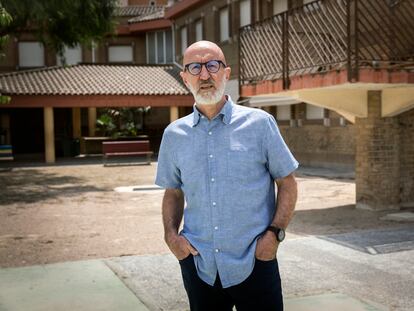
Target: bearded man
column 223, row 160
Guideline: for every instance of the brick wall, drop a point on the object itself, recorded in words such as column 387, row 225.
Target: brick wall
column 318, row 145
column 406, row 123
column 377, row 173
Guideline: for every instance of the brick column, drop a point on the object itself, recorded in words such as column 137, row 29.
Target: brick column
column 377, row 174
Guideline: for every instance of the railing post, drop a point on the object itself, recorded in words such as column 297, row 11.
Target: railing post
column 285, row 49
column 349, row 40
column 352, row 40
column 356, row 69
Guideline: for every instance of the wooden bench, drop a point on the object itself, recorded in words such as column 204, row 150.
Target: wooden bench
column 126, row 149
column 6, row 153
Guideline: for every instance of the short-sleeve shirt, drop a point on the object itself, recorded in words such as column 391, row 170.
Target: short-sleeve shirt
column 226, row 168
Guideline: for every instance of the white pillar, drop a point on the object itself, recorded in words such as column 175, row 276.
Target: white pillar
column 49, row 134
column 92, row 121
column 173, row 114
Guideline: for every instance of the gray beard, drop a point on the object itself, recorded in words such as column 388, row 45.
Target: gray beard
column 209, row 98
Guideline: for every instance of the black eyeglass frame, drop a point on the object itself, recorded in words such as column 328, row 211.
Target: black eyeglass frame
column 205, row 65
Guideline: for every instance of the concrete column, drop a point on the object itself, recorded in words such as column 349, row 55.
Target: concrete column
column 377, row 174
column 76, row 122
column 92, row 121
column 173, row 113
column 49, row 134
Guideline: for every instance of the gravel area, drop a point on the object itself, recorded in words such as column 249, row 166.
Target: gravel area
column 72, row 212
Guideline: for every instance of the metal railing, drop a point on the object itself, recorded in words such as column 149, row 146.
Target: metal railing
column 327, row 35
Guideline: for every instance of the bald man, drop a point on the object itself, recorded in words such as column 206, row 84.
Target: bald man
column 223, row 161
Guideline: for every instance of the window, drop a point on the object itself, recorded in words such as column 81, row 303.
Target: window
column 72, row 56
column 245, row 13
column 159, row 47
column 224, row 25
column 279, row 6
column 183, row 39
column 31, row 54
column 151, row 48
column 283, row 112
column 199, row 30
column 120, row 54
column 314, row 112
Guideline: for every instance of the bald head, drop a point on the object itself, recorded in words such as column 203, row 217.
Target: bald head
column 201, row 50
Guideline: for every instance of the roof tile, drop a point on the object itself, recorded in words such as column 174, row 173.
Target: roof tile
column 91, row 79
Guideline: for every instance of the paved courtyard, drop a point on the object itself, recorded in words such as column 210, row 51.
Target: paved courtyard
column 71, row 212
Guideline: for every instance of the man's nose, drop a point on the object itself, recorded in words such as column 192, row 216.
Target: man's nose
column 204, row 74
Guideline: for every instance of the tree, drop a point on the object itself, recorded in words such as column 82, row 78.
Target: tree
column 122, row 122
column 5, row 21
column 60, row 23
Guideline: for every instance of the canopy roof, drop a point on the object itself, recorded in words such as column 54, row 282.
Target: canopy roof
column 93, row 79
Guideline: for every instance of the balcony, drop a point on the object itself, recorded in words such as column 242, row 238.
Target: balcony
column 330, row 43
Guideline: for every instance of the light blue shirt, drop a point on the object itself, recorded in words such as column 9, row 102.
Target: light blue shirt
column 226, row 168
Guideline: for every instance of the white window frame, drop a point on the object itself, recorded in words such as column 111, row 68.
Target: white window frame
column 199, row 29
column 184, row 43
column 314, row 112
column 164, row 38
column 68, row 50
column 224, row 24
column 27, row 54
column 120, row 46
column 245, row 12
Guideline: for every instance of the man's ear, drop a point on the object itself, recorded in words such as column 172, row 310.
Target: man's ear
column 227, row 70
column 183, row 77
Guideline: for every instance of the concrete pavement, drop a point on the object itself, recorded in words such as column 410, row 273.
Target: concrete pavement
column 323, row 273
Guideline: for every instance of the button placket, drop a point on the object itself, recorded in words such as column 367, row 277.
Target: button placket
column 211, row 144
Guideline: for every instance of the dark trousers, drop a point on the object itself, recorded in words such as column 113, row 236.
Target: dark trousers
column 260, row 291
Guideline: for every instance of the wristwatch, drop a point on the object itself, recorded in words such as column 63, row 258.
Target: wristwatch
column 279, row 232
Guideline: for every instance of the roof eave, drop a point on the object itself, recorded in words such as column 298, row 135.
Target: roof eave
column 150, row 25
column 181, row 7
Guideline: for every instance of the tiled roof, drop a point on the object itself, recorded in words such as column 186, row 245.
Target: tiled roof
column 136, row 10
column 159, row 14
column 95, row 79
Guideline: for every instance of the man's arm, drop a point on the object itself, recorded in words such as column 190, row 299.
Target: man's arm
column 286, row 200
column 172, row 214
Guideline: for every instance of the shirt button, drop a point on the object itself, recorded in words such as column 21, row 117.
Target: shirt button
column 212, row 179
column 209, row 133
column 215, row 228
column 214, row 203
column 217, row 250
column 210, row 156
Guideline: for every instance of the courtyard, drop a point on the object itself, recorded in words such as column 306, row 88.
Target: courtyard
column 77, row 211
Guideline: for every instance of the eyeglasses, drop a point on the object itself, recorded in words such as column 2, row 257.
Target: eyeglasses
column 212, row 66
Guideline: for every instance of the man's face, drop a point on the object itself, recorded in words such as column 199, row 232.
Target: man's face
column 206, row 87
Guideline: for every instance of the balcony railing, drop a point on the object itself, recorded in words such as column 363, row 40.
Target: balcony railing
column 328, row 35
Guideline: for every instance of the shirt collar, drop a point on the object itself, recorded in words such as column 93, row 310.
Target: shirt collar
column 225, row 111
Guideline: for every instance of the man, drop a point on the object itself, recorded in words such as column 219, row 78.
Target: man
column 222, row 160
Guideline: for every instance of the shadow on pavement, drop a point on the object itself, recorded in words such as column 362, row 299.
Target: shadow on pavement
column 336, row 220
column 32, row 185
